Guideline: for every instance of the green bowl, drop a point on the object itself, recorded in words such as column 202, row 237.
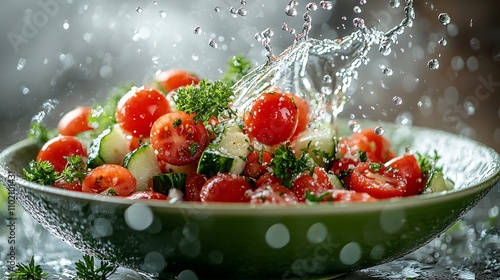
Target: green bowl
column 239, row 241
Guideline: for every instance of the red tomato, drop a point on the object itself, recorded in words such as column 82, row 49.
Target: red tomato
column 408, row 167
column 177, row 140
column 173, row 79
column 56, row 149
column 194, row 183
column 110, row 176
column 74, row 122
column 304, row 114
column 139, row 108
column 134, row 142
column 273, row 194
column 225, row 187
column 377, row 147
column 257, row 163
column 346, row 196
column 75, row 186
column 272, row 118
column 343, row 167
column 147, row 195
column 317, row 183
column 379, row 182
column 267, row 179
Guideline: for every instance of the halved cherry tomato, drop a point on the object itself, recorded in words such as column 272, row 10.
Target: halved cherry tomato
column 408, row 167
column 377, row 147
column 267, row 179
column 273, row 194
column 173, row 79
column 177, row 139
column 346, row 196
column 139, row 108
column 272, row 118
column 194, row 183
column 109, row 177
column 257, row 163
column 316, row 183
column 147, row 195
column 225, row 187
column 304, row 114
column 57, row 149
column 75, row 121
column 342, row 168
column 377, row 180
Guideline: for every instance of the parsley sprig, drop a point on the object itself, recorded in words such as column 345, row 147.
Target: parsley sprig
column 75, row 170
column 206, row 100
column 86, row 269
column 29, row 272
column 286, row 166
column 237, row 67
column 43, row 172
column 102, row 115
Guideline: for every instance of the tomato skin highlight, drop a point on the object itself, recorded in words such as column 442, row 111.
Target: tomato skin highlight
column 273, row 194
column 408, row 167
column 272, row 118
column 139, row 108
column 383, row 183
column 177, row 139
column 225, row 187
column 173, row 79
column 316, row 183
column 56, row 149
column 110, row 176
column 75, row 121
column 150, row 195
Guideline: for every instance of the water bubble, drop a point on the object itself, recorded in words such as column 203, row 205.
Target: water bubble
column 442, row 42
column 217, row 9
column 212, row 43
column 327, row 5
column 395, row 3
column 21, row 63
column 354, row 126
column 444, row 18
column 311, row 6
column 356, row 10
column 163, row 14
column 65, row 25
column 433, row 64
column 242, row 12
column 359, row 23
column 138, row 9
column 197, row 30
column 327, row 79
column 379, row 130
column 397, row 100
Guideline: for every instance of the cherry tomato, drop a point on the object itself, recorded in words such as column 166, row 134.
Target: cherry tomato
column 304, row 114
column 343, row 167
column 110, row 177
column 408, row 167
column 74, row 186
column 377, row 180
column 346, row 196
column 194, row 183
column 56, row 149
column 267, row 179
column 273, row 194
column 272, row 118
column 316, row 183
column 74, row 122
column 147, row 195
column 139, row 108
column 173, row 79
column 177, row 139
column 377, row 147
column 257, row 163
column 225, row 187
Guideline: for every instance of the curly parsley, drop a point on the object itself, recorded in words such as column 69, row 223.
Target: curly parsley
column 286, row 166
column 237, row 67
column 102, row 115
column 40, row 172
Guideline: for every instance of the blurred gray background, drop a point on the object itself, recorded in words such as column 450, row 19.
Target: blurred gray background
column 73, row 52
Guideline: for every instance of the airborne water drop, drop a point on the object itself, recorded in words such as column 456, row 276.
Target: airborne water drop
column 444, row 18
column 433, row 64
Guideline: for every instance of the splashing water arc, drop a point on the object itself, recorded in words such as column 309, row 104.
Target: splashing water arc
column 320, row 71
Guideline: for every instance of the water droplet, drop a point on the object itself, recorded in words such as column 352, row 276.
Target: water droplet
column 25, row 90
column 444, row 18
column 356, row 10
column 290, row 11
column 243, row 2
column 163, row 14
column 385, row 47
column 379, row 130
column 327, row 79
column 195, row 57
column 395, row 3
column 21, row 63
column 397, row 100
column 242, row 12
column 475, row 44
column 327, row 5
column 359, row 23
column 197, row 30
column 138, row 216
column 442, row 42
column 233, row 11
column 311, row 6
column 284, row 27
column 212, row 43
column 138, row 9
column 65, row 25
column 106, row 72
column 277, row 236
column 471, row 23
column 354, row 126
column 217, row 9
column 386, row 70
column 155, row 3
column 433, row 64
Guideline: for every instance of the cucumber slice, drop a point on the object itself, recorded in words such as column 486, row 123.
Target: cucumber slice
column 335, row 181
column 225, row 154
column 163, row 183
column 110, row 146
column 438, row 183
column 319, row 142
column 143, row 165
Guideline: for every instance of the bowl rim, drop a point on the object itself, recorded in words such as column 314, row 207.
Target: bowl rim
column 263, row 210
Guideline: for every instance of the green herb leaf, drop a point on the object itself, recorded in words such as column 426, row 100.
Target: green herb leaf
column 39, row 132
column 375, row 167
column 75, row 170
column 85, row 269
column 40, row 172
column 206, row 100
column 311, row 198
column 30, row 271
column 103, row 115
column 237, row 67
column 286, row 166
